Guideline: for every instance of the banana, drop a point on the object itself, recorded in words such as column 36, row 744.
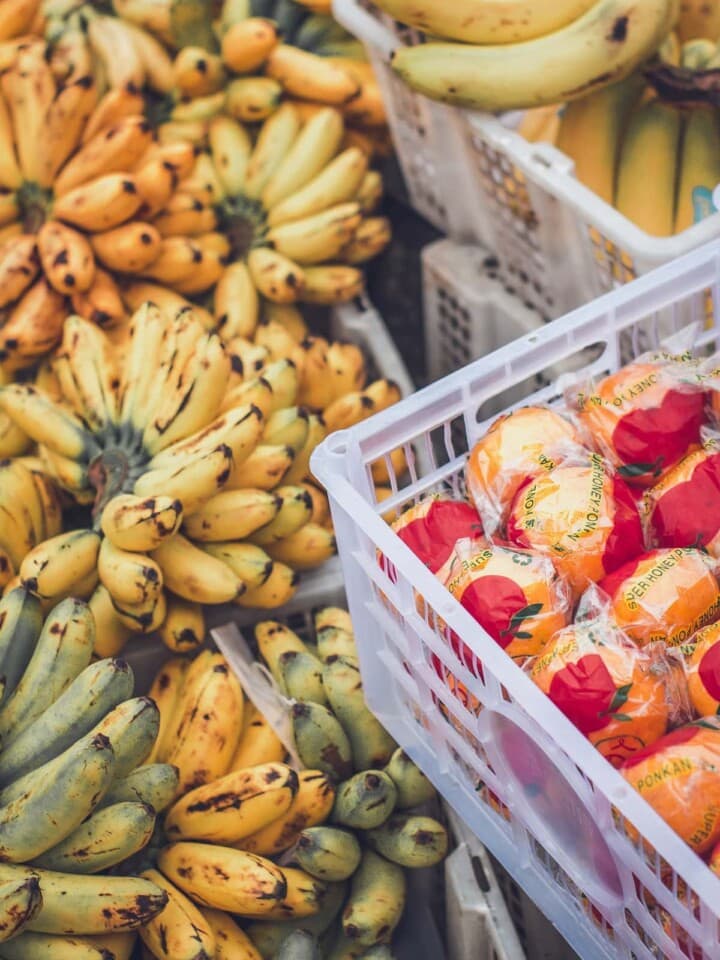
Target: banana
column 307, row 548
column 331, row 284
column 231, row 943
column 256, row 392
column 258, row 742
column 199, row 109
column 209, row 271
column 178, row 258
column 250, row 99
column 321, row 505
column 224, row 878
column 274, row 639
column 276, row 138
column 294, row 512
column 20, row 900
column 19, row 266
column 233, row 515
column 312, row 805
column 321, row 742
column 376, row 901
column 191, row 131
column 278, row 589
column 99, row 688
column 132, row 728
column 316, row 385
column 143, row 617
column 209, row 726
column 63, row 650
column 66, row 257
column 372, row 746
column 129, row 248
column 38, row 819
column 29, row 89
column 234, row 806
column 247, row 44
column 183, row 629
column 369, row 193
column 33, row 327
column 165, row 691
column 337, row 182
column 277, row 341
column 303, row 898
column 270, row 935
column 180, row 932
column 153, row 785
column 194, row 575
column 699, row 171
column 154, row 58
column 17, row 17
column 113, row 46
column 367, row 109
column 264, row 469
column 412, row 786
column 88, row 905
column 109, row 836
column 335, row 617
column 197, row 73
column 130, row 578
column 308, row 76
column 301, row 677
column 102, row 303
column 287, row 427
column 184, row 214
column 370, row 238
column 348, row 410
column 17, row 508
column 606, row 43
column 410, row 841
column 7, row 573
column 101, row 203
column 132, row 523
column 318, row 238
column 45, row 422
column 115, row 149
column 236, row 302
column 696, row 54
column 156, row 182
column 380, row 469
column 90, row 371
column 655, row 127
column 31, row 946
column 193, row 482
column 290, row 318
column 148, row 333
column 365, row 800
column 308, row 154
column 111, row 108
column 10, row 174
column 55, row 565
column 111, row 633
column 238, row 428
column 276, row 276
column 328, row 853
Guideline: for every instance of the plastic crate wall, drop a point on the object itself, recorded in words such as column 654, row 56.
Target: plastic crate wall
column 548, row 806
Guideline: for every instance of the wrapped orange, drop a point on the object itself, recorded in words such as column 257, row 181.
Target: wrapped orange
column 664, row 595
column 646, row 416
column 583, row 516
column 517, row 446
column 432, row 527
column 703, row 670
column 516, row 596
column 683, row 509
column 618, row 695
column 678, row 776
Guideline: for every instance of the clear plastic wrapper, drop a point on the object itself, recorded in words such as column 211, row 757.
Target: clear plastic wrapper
column 645, row 417
column 517, row 446
column 664, row 595
column 678, row 776
column 622, row 697
column 582, row 515
column 703, row 670
column 518, row 597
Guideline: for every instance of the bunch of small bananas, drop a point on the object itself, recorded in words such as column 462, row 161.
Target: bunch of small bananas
column 29, row 506
column 326, row 845
column 74, row 800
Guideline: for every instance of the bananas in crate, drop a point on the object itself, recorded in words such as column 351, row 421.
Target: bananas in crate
column 73, row 738
column 253, row 823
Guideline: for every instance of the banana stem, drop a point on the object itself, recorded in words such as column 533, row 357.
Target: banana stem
column 109, row 474
column 35, row 203
column 244, row 223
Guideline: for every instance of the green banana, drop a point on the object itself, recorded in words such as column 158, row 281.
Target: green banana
column 335, row 642
column 365, row 800
column 109, row 836
column 372, row 746
column 63, row 650
column 273, row 640
column 75, row 904
column 132, row 728
column 320, row 740
column 413, row 787
column 300, row 945
column 328, row 853
column 21, row 621
column 376, row 901
column 20, row 900
column 154, row 784
column 301, row 676
column 410, row 841
column 99, row 688
column 40, row 818
column 379, row 952
column 268, row 935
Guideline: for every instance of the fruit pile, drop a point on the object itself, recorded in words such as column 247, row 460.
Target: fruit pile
column 326, row 842
column 588, row 550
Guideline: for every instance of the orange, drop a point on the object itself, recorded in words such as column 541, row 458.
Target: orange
column 613, row 692
column 432, row 527
column 583, row 517
column 703, row 671
column 644, row 417
column 517, row 445
column 679, row 777
column 664, row 595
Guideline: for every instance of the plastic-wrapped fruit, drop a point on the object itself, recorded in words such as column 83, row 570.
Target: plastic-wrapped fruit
column 677, row 775
column 703, row 670
column 646, row 416
column 583, row 516
column 683, row 509
column 518, row 597
column 664, row 595
column 517, row 446
column 619, row 696
column 432, row 527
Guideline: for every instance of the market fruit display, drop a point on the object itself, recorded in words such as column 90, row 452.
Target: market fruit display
column 73, row 737
column 326, row 846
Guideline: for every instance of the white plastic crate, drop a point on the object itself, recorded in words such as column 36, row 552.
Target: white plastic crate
column 558, row 244
column 561, row 842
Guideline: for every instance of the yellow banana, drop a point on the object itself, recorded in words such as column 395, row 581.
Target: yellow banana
column 249, row 563
column 276, row 277
column 320, row 505
column 318, row 238
column 179, row 932
column 111, row 633
column 208, row 272
column 317, row 388
column 113, row 46
column 185, row 214
column 13, row 442
column 54, row 566
column 154, row 58
column 199, row 109
column 230, row 148
column 294, row 512
column 331, row 284
column 190, row 131
column 312, row 806
column 178, row 258
column 197, row 73
column 376, row 901
column 114, row 150
column 102, row 303
column 348, row 410
column 279, row 588
column 10, row 174
column 129, row 248
column 370, row 238
column 264, row 469
column 368, row 107
column 308, row 547
column 133, row 523
column 194, row 575
column 283, row 379
column 370, row 191
column 112, row 107
column 303, row 898
column 34, row 325
column 289, row 317
column 165, row 692
column 315, row 145
column 130, row 578
column 231, row 943
column 17, row 17
column 100, row 204
column 183, row 629
column 288, row 427
column 346, row 364
column 19, row 266
column 91, row 364
column 20, row 900
column 236, row 302
column 247, row 358
column 257, row 392
column 308, row 76
column 29, row 89
column 138, row 294
column 194, row 481
column 338, row 182
column 238, row 428
column 258, row 742
column 274, row 141
column 232, row 515
column 275, row 639
column 251, row 99
column 698, row 19
column 699, row 168
column 247, row 44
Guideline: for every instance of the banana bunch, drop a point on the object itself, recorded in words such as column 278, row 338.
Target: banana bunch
column 19, row 18
column 504, row 56
column 327, row 846
column 74, row 800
